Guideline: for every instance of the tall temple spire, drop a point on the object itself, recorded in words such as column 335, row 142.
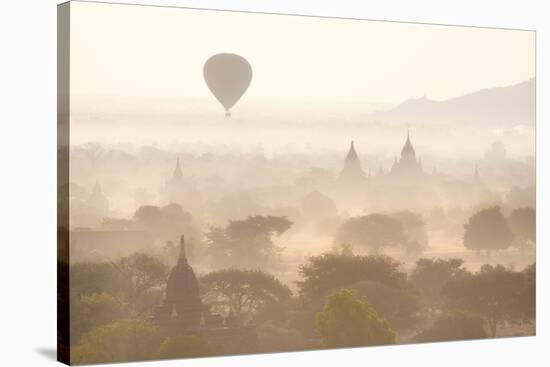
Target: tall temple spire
column 352, row 154
column 352, row 172
column 408, row 144
column 182, row 293
column 97, row 199
column 408, row 164
column 408, row 155
column 177, row 177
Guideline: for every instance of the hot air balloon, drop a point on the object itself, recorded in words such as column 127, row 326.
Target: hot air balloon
column 228, row 77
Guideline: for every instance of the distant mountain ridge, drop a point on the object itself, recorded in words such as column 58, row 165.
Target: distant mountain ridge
column 499, row 107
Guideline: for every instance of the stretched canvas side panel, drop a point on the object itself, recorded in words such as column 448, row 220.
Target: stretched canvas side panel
column 63, row 209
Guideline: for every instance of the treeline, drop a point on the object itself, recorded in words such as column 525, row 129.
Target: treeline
column 250, row 242
column 342, row 299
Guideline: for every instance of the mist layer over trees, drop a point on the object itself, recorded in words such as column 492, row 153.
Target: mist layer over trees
column 315, row 250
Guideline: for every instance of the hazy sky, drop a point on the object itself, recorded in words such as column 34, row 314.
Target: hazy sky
column 121, row 50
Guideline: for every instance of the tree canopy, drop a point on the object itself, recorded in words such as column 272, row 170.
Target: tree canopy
column 397, row 305
column 374, row 232
column 88, row 278
column 167, row 223
column 242, row 292
column 329, row 271
column 487, row 230
column 135, row 281
column 523, row 223
column 89, row 311
column 164, row 223
column 142, row 274
column 248, row 242
column 119, row 341
column 349, row 321
column 455, row 325
column 494, row 292
column 430, row 275
column 414, row 229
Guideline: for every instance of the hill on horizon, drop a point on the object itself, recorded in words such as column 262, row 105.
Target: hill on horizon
column 493, row 107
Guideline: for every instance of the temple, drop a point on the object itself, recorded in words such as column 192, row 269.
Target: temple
column 183, row 313
column 177, row 176
column 408, row 166
column 182, row 292
column 174, row 190
column 178, row 190
column 98, row 202
column 352, row 173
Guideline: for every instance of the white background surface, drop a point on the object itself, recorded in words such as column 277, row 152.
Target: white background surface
column 28, row 187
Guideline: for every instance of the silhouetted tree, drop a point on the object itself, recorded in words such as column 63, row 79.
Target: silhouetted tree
column 494, row 292
column 397, row 305
column 277, row 312
column 415, row 231
column 246, row 242
column 523, row 223
column 487, row 230
column 242, row 292
column 349, row 321
column 89, row 278
column 301, row 316
column 430, row 275
column 104, row 292
column 120, row 341
column 330, row 271
column 142, row 274
column 374, row 231
column 167, row 223
column 96, row 309
column 455, row 325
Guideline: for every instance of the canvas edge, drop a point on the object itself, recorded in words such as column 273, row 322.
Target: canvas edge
column 63, row 187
